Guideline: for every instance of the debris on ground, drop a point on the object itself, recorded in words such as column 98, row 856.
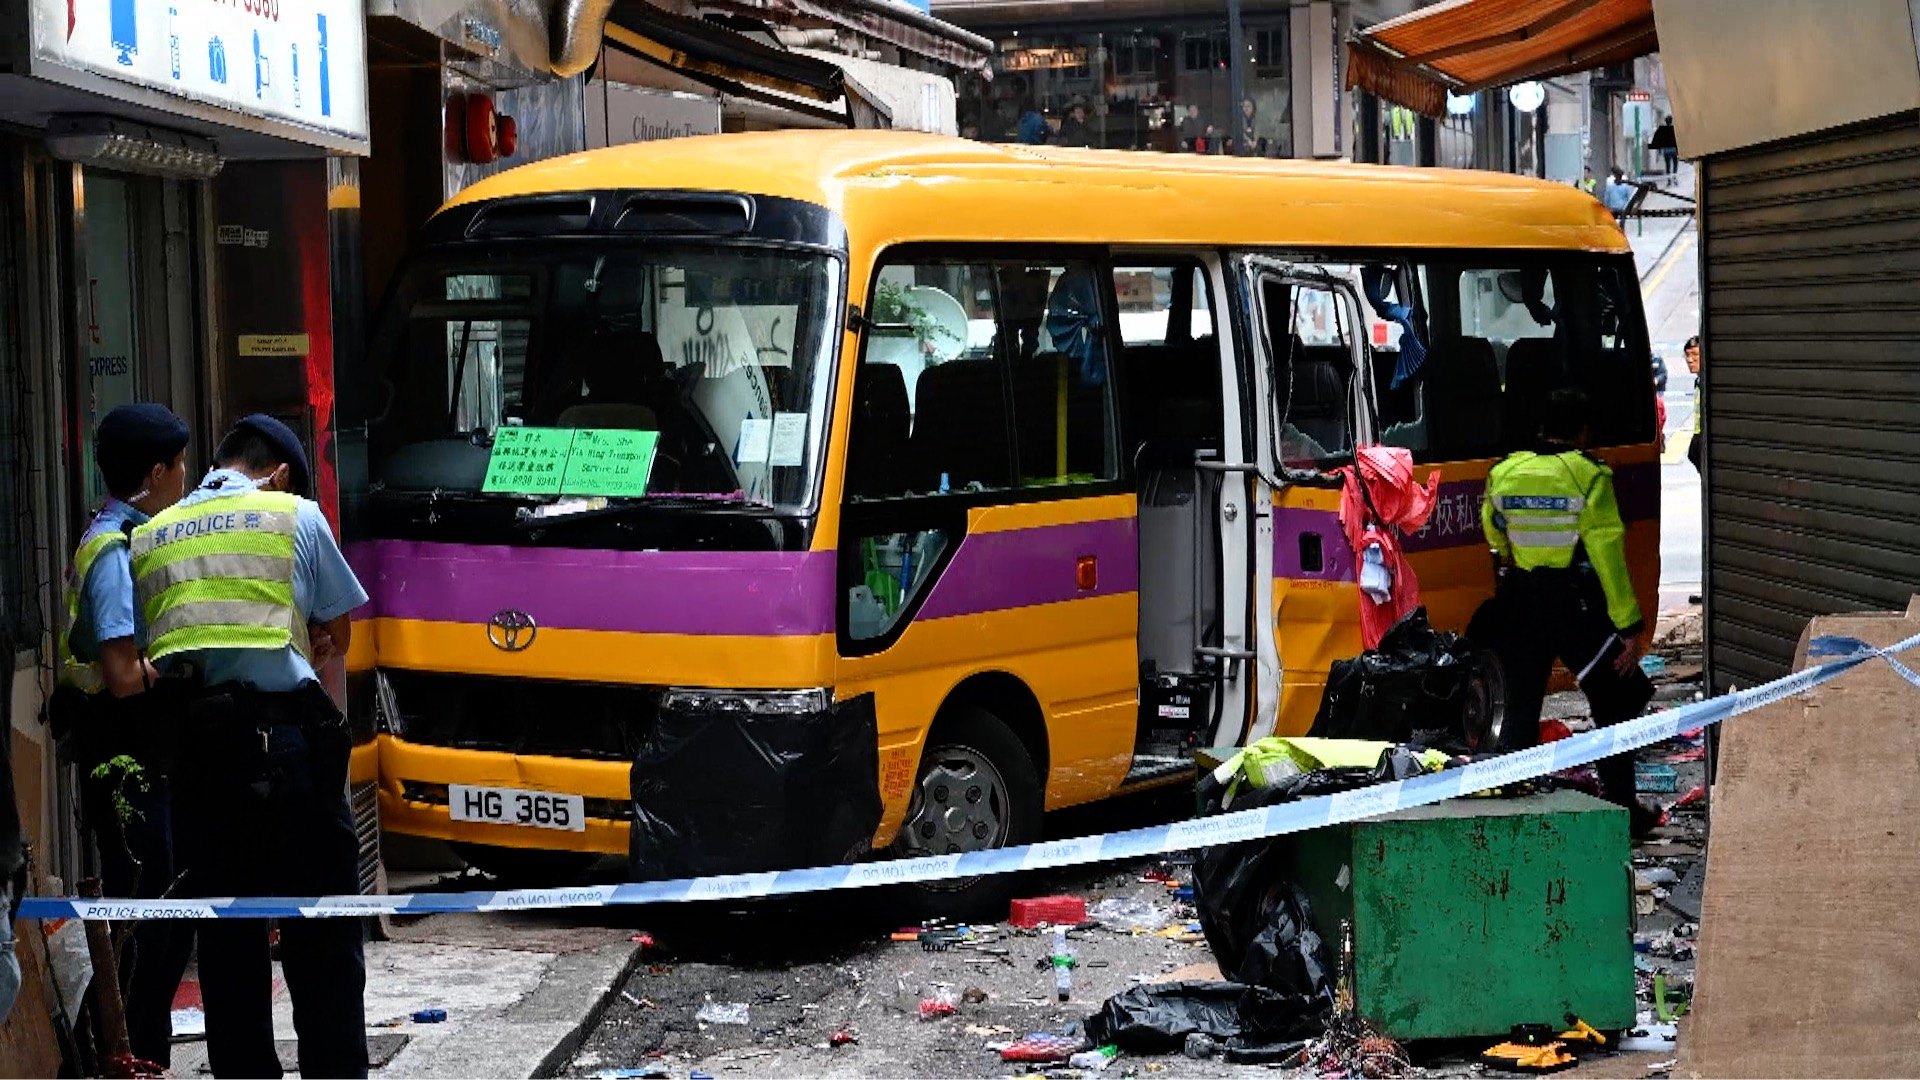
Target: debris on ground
column 1035, row 912
column 718, row 1012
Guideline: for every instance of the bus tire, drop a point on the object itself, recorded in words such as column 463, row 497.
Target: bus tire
column 526, row 867
column 977, row 789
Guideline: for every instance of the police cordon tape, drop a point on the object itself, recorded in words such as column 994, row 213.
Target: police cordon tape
column 1227, row 828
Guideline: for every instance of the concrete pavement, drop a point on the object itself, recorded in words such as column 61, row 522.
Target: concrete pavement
column 519, row 990
column 1666, row 254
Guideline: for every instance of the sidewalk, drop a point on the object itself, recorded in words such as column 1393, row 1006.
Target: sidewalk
column 519, row 991
column 1653, row 237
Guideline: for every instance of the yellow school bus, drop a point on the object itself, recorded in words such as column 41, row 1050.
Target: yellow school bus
column 756, row 500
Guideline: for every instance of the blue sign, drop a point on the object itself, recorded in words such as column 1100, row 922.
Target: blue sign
column 123, row 28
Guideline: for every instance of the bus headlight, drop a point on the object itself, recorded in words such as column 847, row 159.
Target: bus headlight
column 756, row 704
column 386, row 709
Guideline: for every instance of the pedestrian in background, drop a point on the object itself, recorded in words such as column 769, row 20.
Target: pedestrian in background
column 116, row 721
column 243, row 585
column 1565, row 592
column 1192, row 129
column 1668, row 144
column 1617, row 194
column 1694, row 446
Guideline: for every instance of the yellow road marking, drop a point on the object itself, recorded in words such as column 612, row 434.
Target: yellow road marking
column 1666, row 266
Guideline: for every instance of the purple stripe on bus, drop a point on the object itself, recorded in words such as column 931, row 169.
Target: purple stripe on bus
column 1292, row 523
column 1455, row 522
column 652, row 592
column 996, row 571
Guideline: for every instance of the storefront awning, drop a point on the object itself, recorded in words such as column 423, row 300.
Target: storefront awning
column 1462, row 46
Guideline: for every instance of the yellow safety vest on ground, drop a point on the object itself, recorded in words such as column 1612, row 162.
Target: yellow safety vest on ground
column 218, row 574
column 1543, row 510
column 88, row 677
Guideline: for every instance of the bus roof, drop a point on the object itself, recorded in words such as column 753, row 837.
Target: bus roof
column 897, row 186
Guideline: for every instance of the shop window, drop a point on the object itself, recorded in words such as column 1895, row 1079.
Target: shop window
column 982, row 376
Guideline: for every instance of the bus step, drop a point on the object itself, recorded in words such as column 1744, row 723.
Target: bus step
column 1157, row 769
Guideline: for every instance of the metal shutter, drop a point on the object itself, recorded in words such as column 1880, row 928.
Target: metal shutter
column 1811, row 298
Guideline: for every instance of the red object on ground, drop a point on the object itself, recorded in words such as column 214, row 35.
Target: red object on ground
column 1552, row 730
column 1392, row 503
column 1698, row 794
column 931, row 1009
column 842, row 1036
column 1698, row 753
column 1052, row 910
column 1043, row 1048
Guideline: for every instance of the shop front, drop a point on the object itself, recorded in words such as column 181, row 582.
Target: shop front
column 164, row 181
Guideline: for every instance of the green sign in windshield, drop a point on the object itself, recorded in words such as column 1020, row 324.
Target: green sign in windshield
column 609, row 462
column 566, row 461
column 528, row 461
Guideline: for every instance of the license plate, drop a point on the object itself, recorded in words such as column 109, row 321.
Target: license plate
column 512, row 806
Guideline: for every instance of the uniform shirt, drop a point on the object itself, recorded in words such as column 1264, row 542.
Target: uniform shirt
column 107, row 609
column 324, row 588
column 1572, row 514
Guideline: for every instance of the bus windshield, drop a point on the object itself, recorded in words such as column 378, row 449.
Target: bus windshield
column 724, row 351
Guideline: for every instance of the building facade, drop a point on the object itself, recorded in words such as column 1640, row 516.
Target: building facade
column 165, row 179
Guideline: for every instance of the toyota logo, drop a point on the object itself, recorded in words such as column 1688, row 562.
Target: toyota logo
column 511, row 630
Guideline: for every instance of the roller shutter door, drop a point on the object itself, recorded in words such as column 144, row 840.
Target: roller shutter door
column 1811, row 293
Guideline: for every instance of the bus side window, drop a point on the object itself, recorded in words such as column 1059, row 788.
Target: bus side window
column 1310, row 331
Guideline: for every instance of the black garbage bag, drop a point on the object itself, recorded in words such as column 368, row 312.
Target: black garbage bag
column 1413, row 688
column 732, row 793
column 1257, row 922
column 1158, row 1017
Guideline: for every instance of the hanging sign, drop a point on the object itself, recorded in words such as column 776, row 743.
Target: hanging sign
column 298, row 61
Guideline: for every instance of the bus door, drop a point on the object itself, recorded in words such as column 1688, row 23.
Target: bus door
column 1313, row 379
column 1195, row 473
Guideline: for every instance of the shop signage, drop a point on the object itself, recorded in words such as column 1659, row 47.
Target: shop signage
column 619, row 114
column 1639, row 95
column 298, row 61
column 1042, row 58
column 275, row 344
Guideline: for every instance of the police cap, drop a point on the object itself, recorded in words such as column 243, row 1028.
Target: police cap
column 132, row 439
column 285, row 444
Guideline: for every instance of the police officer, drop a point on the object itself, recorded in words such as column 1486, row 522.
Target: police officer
column 243, row 584
column 113, row 709
column 1553, row 522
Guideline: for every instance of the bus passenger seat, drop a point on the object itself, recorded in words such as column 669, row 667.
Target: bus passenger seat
column 1319, row 407
column 1463, row 399
column 960, row 426
column 877, row 446
column 1533, row 371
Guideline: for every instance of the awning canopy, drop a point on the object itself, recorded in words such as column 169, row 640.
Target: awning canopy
column 1463, row 46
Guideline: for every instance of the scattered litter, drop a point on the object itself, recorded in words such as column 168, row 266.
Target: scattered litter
column 1697, row 795
column 645, row 941
column 1653, row 664
column 1062, row 960
column 1034, row 912
column 636, row 1002
column 1646, row 880
column 987, row 1031
column 973, row 995
column 644, row 1072
column 1662, row 1068
column 1188, row 932
column 1650, row 1038
column 1129, row 914
column 1043, row 1048
column 1644, row 904
column 843, row 1035
column 719, row 1012
column 1096, row 1060
column 1200, row 1046
column 430, row 1016
column 1655, row 779
column 1697, row 753
column 938, row 1004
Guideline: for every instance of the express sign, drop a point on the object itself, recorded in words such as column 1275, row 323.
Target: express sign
column 298, row 61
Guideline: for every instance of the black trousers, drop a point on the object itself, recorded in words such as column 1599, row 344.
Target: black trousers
column 1561, row 615
column 137, row 859
column 266, row 815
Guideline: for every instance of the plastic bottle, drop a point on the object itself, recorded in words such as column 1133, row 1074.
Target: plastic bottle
column 1062, row 964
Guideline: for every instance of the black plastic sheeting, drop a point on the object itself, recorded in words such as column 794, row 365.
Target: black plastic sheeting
column 1157, row 1018
column 1412, row 688
column 731, row 794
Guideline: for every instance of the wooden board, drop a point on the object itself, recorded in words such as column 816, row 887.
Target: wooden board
column 28, row 1044
column 1808, row 958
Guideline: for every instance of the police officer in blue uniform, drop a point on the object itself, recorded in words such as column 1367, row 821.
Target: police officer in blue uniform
column 120, row 709
column 244, row 585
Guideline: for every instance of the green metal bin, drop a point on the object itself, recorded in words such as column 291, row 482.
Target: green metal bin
column 1473, row 915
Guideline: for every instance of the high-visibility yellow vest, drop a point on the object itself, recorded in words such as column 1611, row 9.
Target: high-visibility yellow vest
column 86, row 676
column 1543, row 510
column 218, row 574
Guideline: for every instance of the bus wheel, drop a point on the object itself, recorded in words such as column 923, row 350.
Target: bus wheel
column 1483, row 718
column 525, row 867
column 977, row 790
